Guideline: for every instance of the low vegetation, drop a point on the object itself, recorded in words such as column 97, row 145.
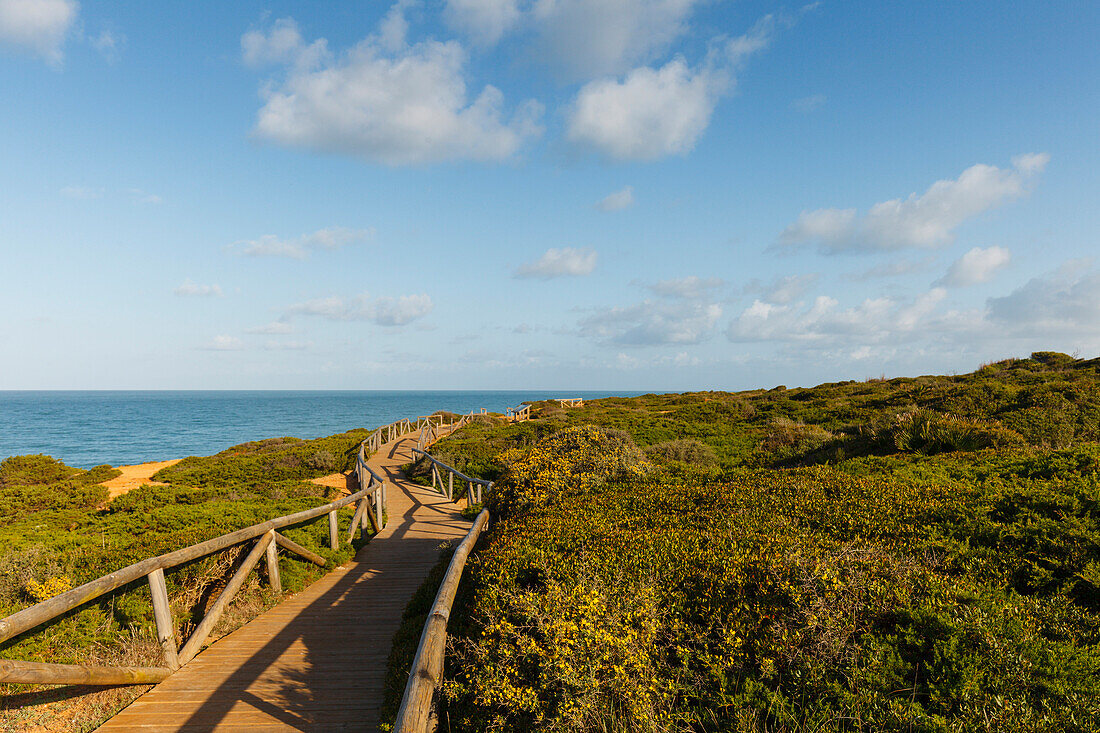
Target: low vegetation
column 918, row 554
column 58, row 531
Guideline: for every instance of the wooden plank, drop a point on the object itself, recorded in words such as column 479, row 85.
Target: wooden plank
column 414, row 715
column 316, row 661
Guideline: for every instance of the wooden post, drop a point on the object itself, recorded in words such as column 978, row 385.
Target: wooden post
column 451, row 486
column 469, row 494
column 273, row 568
column 333, row 531
column 191, row 648
column 357, row 518
column 378, row 507
column 162, row 614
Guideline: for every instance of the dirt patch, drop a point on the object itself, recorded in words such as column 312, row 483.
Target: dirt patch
column 345, row 482
column 135, row 476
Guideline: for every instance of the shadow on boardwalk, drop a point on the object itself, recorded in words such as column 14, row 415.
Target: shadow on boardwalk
column 316, row 662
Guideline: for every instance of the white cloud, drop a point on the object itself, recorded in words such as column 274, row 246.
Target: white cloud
column 875, row 320
column 384, row 311
column 653, row 322
column 810, row 103
column 188, row 289
column 784, row 289
column 653, row 113
column 1065, row 301
column 393, row 31
column 924, row 221
column 275, row 328
column 591, row 38
column 38, row 26
column 564, row 262
column 683, row 314
column 484, row 21
column 282, row 43
column 691, row 287
column 298, row 248
column 976, row 266
column 893, row 268
column 617, row 201
column 650, row 114
column 223, row 343
column 108, row 44
column 384, row 101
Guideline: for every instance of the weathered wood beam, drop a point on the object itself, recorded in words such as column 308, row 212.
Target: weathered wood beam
column 357, row 518
column 39, row 613
column 273, row 578
column 458, row 473
column 38, row 673
column 194, row 644
column 162, row 615
column 289, row 544
column 427, row 668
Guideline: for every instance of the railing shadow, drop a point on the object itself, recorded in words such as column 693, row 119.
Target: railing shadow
column 317, row 694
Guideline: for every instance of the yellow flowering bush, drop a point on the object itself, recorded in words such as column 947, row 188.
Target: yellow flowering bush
column 566, row 654
column 53, row 586
column 801, row 599
column 576, row 459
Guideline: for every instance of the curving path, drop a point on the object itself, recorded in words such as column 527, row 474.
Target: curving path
column 317, row 661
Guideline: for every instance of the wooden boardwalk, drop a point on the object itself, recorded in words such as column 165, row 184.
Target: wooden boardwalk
column 317, row 661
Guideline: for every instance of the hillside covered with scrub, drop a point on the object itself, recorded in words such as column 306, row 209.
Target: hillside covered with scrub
column 912, row 554
column 58, row 530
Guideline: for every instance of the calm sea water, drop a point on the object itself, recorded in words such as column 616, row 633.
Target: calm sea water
column 86, row 429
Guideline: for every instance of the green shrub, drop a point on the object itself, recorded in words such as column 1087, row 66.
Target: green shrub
column 33, row 470
column 277, row 459
column 573, row 460
column 685, row 450
column 926, row 431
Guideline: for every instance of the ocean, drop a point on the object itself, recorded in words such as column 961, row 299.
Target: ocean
column 86, row 429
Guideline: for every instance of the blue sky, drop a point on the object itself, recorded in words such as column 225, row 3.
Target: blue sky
column 565, row 194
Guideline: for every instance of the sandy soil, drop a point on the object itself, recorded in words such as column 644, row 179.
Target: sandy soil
column 135, row 476
column 342, row 481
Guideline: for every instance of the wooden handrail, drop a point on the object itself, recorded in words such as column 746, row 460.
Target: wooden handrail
column 455, row 471
column 414, row 715
column 371, row 497
column 50, row 608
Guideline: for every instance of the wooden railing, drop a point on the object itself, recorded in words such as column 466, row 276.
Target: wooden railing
column 266, row 539
column 370, row 511
column 571, row 402
column 473, row 485
column 415, row 713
